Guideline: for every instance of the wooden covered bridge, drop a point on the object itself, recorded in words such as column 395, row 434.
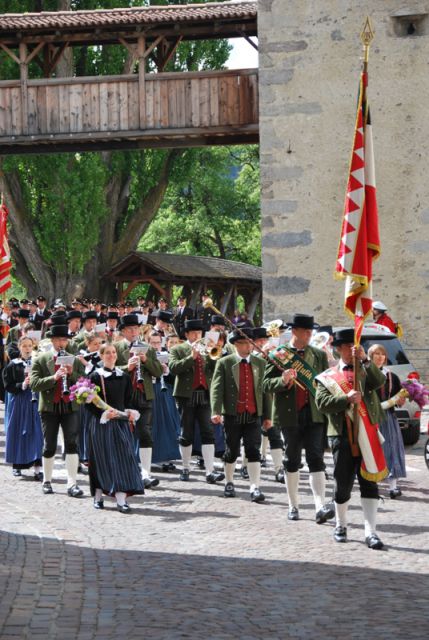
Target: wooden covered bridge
column 226, row 280
column 41, row 112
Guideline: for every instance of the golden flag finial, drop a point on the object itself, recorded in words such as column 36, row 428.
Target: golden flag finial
column 367, row 33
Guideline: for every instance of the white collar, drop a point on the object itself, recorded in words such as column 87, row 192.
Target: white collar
column 239, row 358
column 106, row 374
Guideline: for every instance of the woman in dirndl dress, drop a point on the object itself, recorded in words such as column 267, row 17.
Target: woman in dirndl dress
column 393, row 445
column 24, row 437
column 113, row 468
column 90, row 358
column 165, row 416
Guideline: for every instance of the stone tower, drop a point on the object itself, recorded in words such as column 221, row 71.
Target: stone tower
column 310, row 61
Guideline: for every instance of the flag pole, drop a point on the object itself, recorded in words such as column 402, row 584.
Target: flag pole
column 366, row 36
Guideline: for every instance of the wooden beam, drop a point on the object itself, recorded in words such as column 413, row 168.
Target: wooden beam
column 34, row 52
column 254, row 45
column 141, row 46
column 196, row 295
column 23, row 69
column 254, row 302
column 165, row 52
column 227, row 298
column 10, row 53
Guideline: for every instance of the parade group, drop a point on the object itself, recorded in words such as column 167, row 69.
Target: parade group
column 137, row 387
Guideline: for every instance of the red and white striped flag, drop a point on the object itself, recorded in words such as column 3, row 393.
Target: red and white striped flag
column 5, row 262
column 359, row 243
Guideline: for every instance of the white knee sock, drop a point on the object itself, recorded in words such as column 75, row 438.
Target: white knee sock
column 72, row 463
column 393, row 483
column 98, row 495
column 264, row 446
column 254, row 469
column 186, row 453
column 341, row 514
column 48, row 467
column 120, row 498
column 369, row 508
column 229, row 471
column 277, row 456
column 317, row 484
column 292, row 482
column 146, row 461
column 208, row 452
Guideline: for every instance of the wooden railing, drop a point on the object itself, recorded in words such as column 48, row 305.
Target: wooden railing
column 85, row 105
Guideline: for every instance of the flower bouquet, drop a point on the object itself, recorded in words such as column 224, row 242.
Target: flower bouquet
column 416, row 391
column 85, row 391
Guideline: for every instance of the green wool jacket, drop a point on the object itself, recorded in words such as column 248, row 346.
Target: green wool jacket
column 42, row 379
column 181, row 365
column 152, row 368
column 370, row 379
column 224, row 389
column 284, row 400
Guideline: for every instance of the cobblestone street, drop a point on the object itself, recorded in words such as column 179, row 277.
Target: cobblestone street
column 189, row 563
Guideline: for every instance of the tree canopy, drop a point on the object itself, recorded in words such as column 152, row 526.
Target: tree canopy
column 73, row 215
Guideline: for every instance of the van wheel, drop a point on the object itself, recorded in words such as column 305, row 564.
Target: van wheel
column 411, row 434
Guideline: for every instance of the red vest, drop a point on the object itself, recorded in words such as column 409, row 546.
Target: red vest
column 246, row 391
column 199, row 381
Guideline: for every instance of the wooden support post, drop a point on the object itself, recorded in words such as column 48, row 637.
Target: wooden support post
column 141, row 45
column 23, row 68
column 195, row 298
column 226, row 299
column 254, row 303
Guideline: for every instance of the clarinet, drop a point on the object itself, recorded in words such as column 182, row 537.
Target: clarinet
column 163, row 383
column 139, row 373
column 64, row 389
column 27, row 372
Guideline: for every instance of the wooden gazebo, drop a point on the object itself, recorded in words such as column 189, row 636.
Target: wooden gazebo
column 225, row 279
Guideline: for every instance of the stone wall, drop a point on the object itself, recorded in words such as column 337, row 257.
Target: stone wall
column 310, row 61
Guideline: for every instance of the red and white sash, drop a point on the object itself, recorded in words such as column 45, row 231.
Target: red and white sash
column 370, row 440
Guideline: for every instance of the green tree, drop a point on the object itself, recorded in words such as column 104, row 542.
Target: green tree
column 73, row 215
column 212, row 208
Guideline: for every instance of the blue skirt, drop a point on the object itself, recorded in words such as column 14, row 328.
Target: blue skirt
column 393, row 446
column 112, row 462
column 165, row 425
column 24, row 437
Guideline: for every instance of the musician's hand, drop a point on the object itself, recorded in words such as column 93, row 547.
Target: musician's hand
column 132, row 363
column 359, row 352
column 354, row 397
column 165, row 369
column 111, row 414
column 288, row 377
column 267, row 424
column 60, row 373
column 143, row 357
column 216, row 419
column 68, row 368
column 195, row 353
column 400, row 401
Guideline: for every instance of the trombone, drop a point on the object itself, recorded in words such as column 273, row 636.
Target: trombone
column 208, row 304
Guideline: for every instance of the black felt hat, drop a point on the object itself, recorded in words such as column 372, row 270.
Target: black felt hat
column 58, row 331
column 260, row 332
column 24, row 313
column 112, row 315
column 193, row 325
column 303, row 321
column 215, row 319
column 73, row 314
column 238, row 335
column 343, row 336
column 129, row 320
column 165, row 316
column 89, row 315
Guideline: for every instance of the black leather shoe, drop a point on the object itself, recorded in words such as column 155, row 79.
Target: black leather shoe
column 74, row 491
column 200, row 463
column 293, row 514
column 340, row 534
column 280, row 476
column 214, row 477
column 395, row 493
column 38, row 477
column 229, row 491
column 257, row 496
column 244, row 473
column 184, row 475
column 374, row 542
column 123, row 508
column 16, row 473
column 150, row 483
column 47, row 488
column 98, row 504
column 325, row 513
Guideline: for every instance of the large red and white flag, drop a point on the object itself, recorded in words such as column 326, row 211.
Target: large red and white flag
column 5, row 262
column 359, row 243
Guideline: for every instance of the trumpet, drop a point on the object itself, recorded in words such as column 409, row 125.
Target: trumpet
column 208, row 304
column 214, row 353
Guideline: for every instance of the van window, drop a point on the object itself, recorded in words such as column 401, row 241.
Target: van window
column 395, row 352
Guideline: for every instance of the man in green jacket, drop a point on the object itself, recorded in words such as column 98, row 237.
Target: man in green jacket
column 194, row 371
column 53, row 381
column 294, row 409
column 237, row 395
column 336, row 397
column 141, row 367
